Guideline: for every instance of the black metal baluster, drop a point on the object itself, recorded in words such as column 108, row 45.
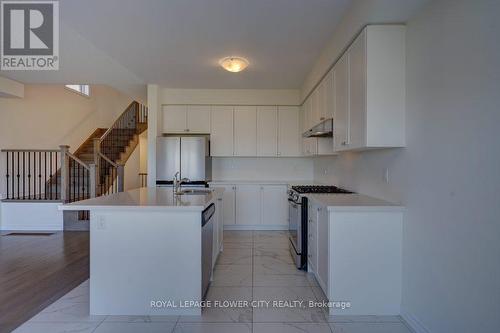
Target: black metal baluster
column 24, row 176
column 40, row 175
column 57, row 176
column 7, row 176
column 45, row 174
column 18, row 176
column 50, row 175
column 78, row 181
column 29, row 175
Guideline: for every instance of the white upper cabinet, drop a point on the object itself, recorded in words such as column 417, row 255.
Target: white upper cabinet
column 341, row 99
column 374, row 114
column 245, row 131
column 174, row 118
column 357, row 92
column 288, row 131
column 267, row 131
column 198, row 119
column 221, row 134
column 186, row 119
column 329, row 96
column 274, row 205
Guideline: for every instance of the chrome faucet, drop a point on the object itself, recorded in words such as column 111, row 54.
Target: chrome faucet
column 177, row 183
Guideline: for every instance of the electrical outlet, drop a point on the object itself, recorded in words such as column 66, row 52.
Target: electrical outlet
column 101, row 223
column 386, row 176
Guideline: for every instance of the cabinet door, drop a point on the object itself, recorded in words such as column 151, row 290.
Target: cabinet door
column 267, row 131
column 198, row 119
column 329, row 96
column 307, row 114
column 341, row 117
column 245, row 131
column 228, row 204
column 221, row 133
column 321, row 97
column 288, row 131
column 357, row 92
column 274, row 205
column 322, row 238
column 314, row 118
column 312, row 244
column 248, row 204
column 174, row 119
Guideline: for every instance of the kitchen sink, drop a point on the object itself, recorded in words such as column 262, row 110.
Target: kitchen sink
column 194, row 191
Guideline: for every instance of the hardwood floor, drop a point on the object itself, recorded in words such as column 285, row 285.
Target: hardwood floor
column 37, row 270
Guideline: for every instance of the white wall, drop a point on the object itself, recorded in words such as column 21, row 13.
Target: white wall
column 51, row 115
column 448, row 176
column 11, row 88
column 265, row 168
column 230, row 96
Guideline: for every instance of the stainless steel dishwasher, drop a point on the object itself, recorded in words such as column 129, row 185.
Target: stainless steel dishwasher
column 207, row 235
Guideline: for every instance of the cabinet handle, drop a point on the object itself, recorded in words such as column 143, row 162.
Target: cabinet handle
column 279, row 154
column 187, row 129
column 344, row 143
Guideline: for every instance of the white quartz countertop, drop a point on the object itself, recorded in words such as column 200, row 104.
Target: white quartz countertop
column 264, row 182
column 152, row 198
column 354, row 201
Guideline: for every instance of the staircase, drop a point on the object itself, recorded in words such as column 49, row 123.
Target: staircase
column 93, row 170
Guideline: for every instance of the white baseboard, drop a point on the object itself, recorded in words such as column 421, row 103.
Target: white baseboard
column 414, row 323
column 255, row 227
column 31, row 216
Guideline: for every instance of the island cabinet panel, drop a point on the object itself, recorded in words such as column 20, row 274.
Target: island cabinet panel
column 245, row 131
column 248, row 204
column 221, row 136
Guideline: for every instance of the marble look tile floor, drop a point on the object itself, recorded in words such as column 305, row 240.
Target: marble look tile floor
column 255, row 265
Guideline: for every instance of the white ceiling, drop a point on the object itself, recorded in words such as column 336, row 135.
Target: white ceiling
column 177, row 43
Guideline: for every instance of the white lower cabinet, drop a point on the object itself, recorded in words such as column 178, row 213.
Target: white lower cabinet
column 218, row 228
column 355, row 255
column 228, row 197
column 254, row 206
column 274, row 205
column 247, row 204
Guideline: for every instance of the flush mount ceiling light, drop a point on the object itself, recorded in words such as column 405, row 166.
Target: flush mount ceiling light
column 234, row 64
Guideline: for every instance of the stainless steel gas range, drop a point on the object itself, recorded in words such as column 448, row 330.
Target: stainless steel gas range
column 298, row 218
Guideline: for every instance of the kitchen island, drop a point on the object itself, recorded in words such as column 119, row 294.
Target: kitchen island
column 146, row 250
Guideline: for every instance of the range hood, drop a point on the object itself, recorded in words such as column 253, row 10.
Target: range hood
column 322, row 130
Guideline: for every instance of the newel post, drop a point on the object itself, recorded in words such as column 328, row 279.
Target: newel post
column 93, row 180
column 64, row 173
column 120, row 177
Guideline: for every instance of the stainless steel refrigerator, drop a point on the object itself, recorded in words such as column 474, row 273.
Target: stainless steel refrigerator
column 188, row 155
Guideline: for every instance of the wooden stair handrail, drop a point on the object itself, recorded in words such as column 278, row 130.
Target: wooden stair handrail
column 117, row 121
